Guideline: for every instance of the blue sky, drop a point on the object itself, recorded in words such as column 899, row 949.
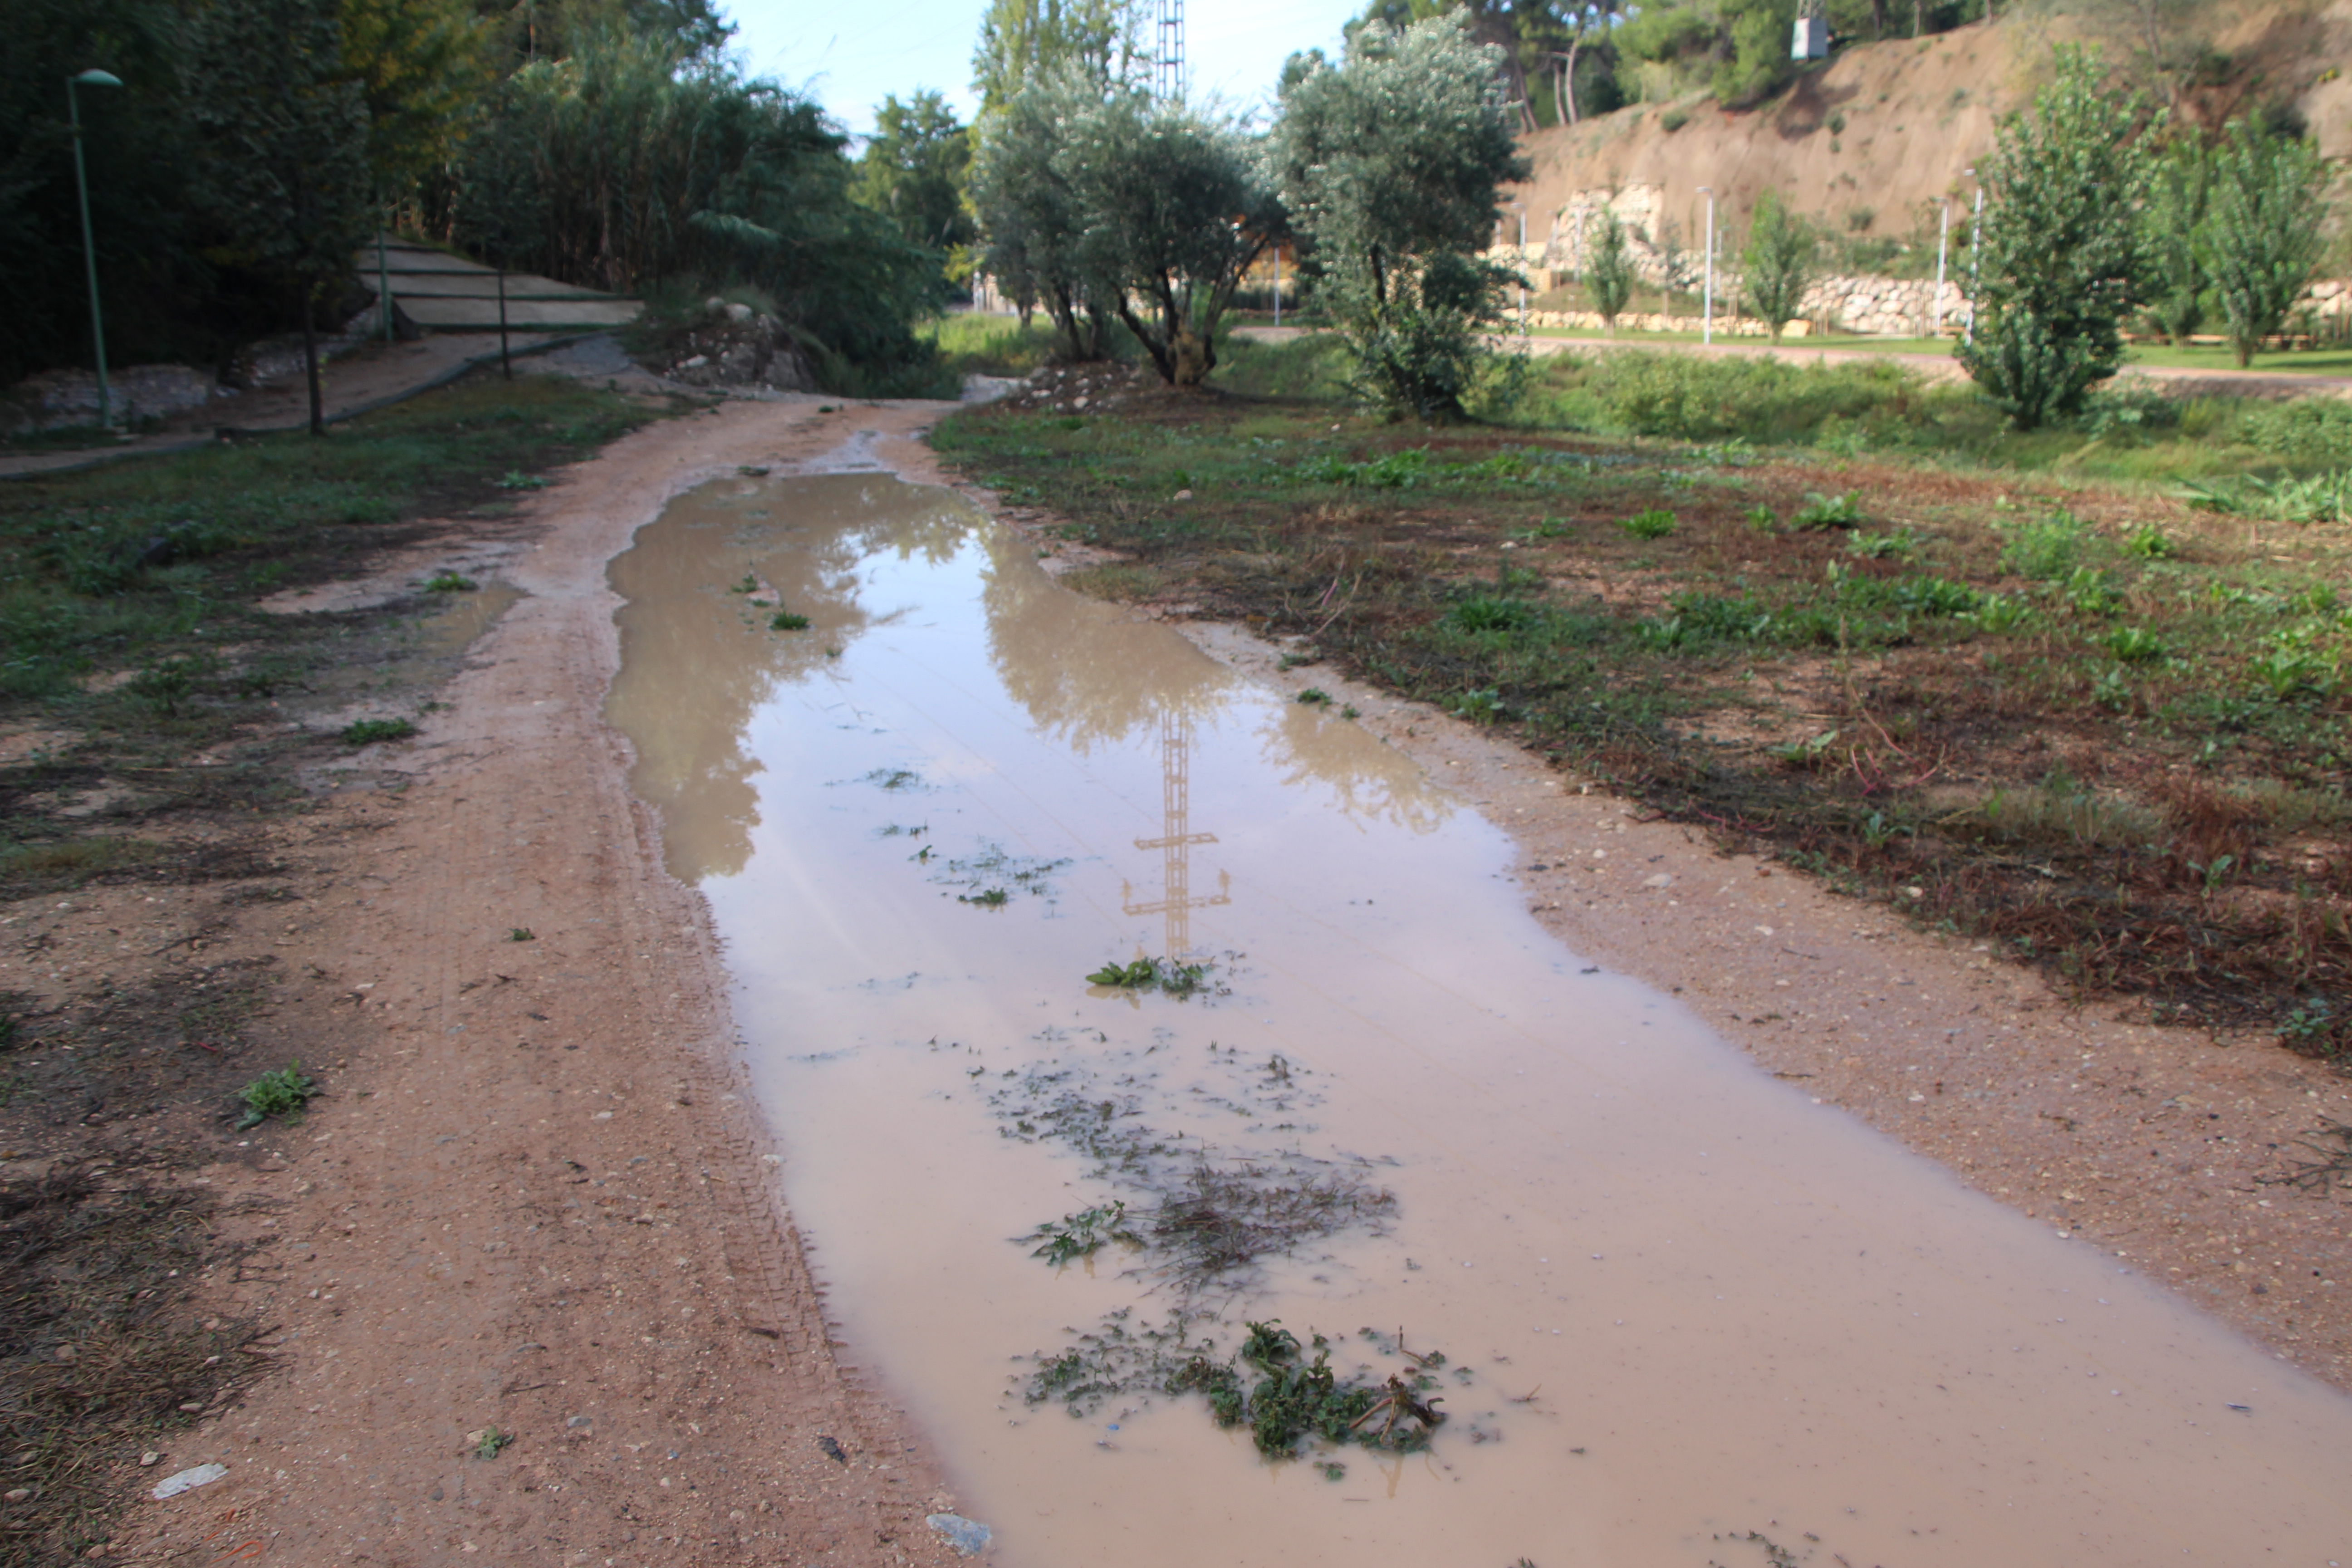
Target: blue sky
column 851, row 54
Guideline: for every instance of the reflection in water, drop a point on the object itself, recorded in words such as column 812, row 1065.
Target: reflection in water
column 1176, row 839
column 1086, row 673
column 1687, row 1309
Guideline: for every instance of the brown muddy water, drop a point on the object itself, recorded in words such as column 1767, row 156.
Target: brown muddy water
column 1689, row 1315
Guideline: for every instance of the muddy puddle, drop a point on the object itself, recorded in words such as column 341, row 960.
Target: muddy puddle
column 1683, row 1314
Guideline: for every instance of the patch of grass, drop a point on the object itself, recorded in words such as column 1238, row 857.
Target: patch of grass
column 450, row 582
column 369, row 732
column 283, row 1091
column 65, row 864
column 786, row 621
column 1314, row 696
column 1656, row 524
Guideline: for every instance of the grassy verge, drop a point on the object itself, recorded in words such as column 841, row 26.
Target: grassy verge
column 1829, row 614
column 154, row 719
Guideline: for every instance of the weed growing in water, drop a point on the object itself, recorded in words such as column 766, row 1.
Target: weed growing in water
column 1294, row 1399
column 367, row 731
column 1083, row 1233
column 992, row 877
column 1314, row 697
column 1163, row 974
column 892, row 778
column 283, row 1092
column 450, row 582
column 786, row 621
column 749, row 584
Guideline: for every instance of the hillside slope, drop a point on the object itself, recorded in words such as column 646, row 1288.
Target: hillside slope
column 1870, row 140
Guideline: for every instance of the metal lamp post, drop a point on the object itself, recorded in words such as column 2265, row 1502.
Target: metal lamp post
column 89, row 247
column 1706, row 307
column 1943, row 232
column 1520, row 266
column 1975, row 231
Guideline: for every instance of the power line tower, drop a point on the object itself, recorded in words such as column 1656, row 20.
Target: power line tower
column 1168, row 54
column 1175, row 843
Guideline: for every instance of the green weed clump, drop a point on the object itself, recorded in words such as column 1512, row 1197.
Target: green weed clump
column 1162, row 975
column 367, row 731
column 786, row 621
column 282, row 1092
column 1083, row 1233
column 1656, row 524
column 1286, row 1399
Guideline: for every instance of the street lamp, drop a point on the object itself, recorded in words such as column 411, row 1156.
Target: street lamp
column 1943, row 232
column 1706, row 316
column 1520, row 266
column 1975, row 227
column 89, row 250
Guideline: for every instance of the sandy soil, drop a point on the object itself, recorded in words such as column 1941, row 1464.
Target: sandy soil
column 536, row 1200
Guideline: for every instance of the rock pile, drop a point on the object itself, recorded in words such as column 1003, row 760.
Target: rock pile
column 735, row 346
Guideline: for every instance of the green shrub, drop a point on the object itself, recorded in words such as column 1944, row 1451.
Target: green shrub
column 2048, row 550
column 283, row 1092
column 1656, row 524
column 2308, row 431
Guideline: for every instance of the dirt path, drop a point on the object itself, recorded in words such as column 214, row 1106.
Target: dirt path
column 537, row 1200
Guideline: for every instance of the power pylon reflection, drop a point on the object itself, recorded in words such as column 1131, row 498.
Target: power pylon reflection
column 1175, row 843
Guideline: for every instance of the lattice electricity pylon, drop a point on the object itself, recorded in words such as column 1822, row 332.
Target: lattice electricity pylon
column 1175, row 843
column 1167, row 54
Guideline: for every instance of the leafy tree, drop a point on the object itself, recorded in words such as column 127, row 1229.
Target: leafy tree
column 914, row 171
column 1034, row 220
column 1388, row 162
column 1100, row 41
column 1759, row 54
column 1609, row 274
column 1779, row 263
column 422, row 67
column 2061, row 245
column 646, row 163
column 286, row 134
column 2264, row 229
column 1176, row 207
column 2174, row 234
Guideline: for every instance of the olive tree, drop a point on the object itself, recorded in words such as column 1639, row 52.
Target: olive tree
column 2263, row 230
column 1388, row 163
column 1176, row 207
column 2062, row 247
column 1032, row 218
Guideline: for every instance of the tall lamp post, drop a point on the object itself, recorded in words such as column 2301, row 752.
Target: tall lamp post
column 1706, row 307
column 1519, row 266
column 89, row 247
column 1943, row 232
column 1976, row 229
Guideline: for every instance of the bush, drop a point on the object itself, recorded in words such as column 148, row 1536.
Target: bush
column 1689, row 398
column 2308, row 431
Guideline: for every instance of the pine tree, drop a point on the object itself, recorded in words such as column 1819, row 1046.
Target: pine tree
column 2264, row 230
column 2061, row 245
column 1778, row 265
column 1610, row 274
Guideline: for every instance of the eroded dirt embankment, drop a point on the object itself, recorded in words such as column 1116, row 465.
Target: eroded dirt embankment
column 533, row 1203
